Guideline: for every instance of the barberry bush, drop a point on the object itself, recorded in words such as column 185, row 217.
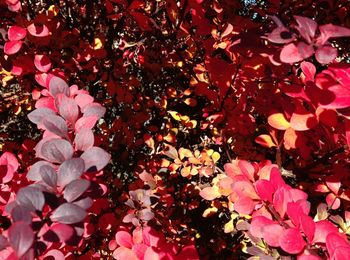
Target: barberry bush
column 180, row 129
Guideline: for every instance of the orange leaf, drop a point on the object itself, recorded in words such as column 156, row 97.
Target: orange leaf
column 278, row 121
column 265, row 140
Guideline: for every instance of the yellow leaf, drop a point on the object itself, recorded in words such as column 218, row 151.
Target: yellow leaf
column 97, row 44
column 215, row 156
column 175, row 115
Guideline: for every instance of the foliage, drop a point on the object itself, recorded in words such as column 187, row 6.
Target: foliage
column 174, row 129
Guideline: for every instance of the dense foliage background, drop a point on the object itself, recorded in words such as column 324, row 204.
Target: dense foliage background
column 190, row 129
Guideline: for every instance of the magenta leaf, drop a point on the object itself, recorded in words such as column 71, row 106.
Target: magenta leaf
column 31, row 197
column 69, row 171
column 58, row 85
column 95, row 159
column 291, row 241
column 264, row 189
column 84, row 139
column 56, row 150
column 16, row 33
column 75, row 189
column 21, row 237
column 309, row 70
column 39, row 114
column 68, row 213
column 56, row 125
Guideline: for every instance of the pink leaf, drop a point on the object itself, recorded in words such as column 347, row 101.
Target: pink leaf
column 12, row 47
column 55, row 254
column 309, row 70
column 68, row 109
column 62, row 231
column 291, row 241
column 84, row 139
column 244, row 205
column 326, row 54
column 85, row 122
column 38, row 30
column 68, row 213
column 70, row 170
column 16, row 33
column 123, row 238
column 272, row 234
column 83, row 100
column 95, row 159
column 331, row 31
column 306, row 27
column 31, row 197
column 292, row 53
column 10, row 166
column 257, row 225
column 42, row 63
column 264, row 189
column 334, row 241
column 58, row 85
column 56, row 125
column 75, row 189
column 21, row 237
column 55, row 150
column 124, row 253
column 39, row 114
column 34, row 172
column 323, row 228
